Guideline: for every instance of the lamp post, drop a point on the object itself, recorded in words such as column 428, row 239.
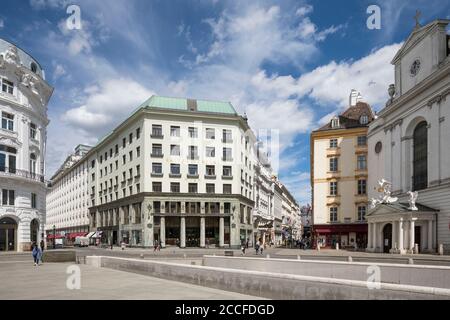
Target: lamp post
column 54, row 237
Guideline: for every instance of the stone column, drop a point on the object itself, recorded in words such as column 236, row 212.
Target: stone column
column 430, row 235
column 202, row 232
column 411, row 235
column 400, row 236
column 221, row 232
column 394, row 235
column 183, row 232
column 369, row 235
column 162, row 232
column 374, row 236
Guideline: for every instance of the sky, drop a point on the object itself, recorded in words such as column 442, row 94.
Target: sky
column 289, row 65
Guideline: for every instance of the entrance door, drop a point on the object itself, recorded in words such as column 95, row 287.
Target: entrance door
column 8, row 233
column 417, row 237
column 387, row 238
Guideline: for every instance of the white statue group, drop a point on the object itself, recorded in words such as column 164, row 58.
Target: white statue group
column 385, row 188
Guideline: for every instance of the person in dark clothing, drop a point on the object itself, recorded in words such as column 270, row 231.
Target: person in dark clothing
column 42, row 250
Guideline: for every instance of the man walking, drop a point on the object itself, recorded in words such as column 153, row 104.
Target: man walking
column 42, row 249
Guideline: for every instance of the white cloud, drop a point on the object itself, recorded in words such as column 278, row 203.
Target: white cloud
column 58, row 72
column 304, row 10
column 107, row 105
column 42, row 4
column 2, row 23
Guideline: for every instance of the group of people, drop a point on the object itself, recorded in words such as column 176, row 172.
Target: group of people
column 37, row 252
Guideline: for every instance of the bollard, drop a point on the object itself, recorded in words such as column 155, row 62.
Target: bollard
column 142, row 256
column 337, row 246
column 410, row 261
column 267, row 256
column 350, row 259
column 298, row 257
column 441, row 249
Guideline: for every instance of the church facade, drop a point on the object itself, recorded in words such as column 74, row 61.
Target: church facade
column 409, row 146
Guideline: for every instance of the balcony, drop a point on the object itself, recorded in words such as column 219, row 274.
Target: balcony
column 157, row 174
column 192, row 176
column 227, row 177
column 174, row 175
column 210, row 176
column 157, row 135
column 13, row 172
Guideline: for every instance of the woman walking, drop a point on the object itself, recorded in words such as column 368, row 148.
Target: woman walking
column 36, row 254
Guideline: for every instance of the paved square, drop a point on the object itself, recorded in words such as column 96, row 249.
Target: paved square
column 22, row 280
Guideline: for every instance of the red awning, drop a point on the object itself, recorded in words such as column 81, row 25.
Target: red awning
column 58, row 236
column 344, row 228
column 73, row 235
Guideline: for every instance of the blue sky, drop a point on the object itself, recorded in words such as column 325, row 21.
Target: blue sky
column 288, row 64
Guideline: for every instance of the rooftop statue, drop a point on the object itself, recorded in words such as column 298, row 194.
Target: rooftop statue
column 384, row 187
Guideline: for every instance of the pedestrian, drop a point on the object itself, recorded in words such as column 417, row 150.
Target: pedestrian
column 257, row 247
column 35, row 254
column 122, row 244
column 262, row 249
column 207, row 243
column 42, row 249
column 155, row 245
column 243, row 248
column 158, row 245
column 247, row 243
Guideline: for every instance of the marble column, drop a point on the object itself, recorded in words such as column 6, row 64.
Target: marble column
column 221, row 232
column 369, row 240
column 430, row 235
column 374, row 236
column 162, row 232
column 394, row 235
column 400, row 236
column 183, row 232
column 202, row 232
column 411, row 235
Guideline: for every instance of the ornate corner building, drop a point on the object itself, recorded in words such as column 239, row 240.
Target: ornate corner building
column 24, row 94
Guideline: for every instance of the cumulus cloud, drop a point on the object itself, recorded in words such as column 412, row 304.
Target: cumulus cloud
column 106, row 105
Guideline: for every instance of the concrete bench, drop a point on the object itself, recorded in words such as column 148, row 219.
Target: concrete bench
column 229, row 253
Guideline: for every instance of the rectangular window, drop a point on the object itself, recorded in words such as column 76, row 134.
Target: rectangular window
column 210, row 152
column 8, row 197
column 106, row 156
column 333, row 143
column 210, row 171
column 193, row 169
column 362, row 140
column 117, row 149
column 227, row 171
column 131, row 138
column 226, row 135
column 124, row 142
column 7, row 121
column 174, row 131
column 193, row 188
column 157, row 187
column 174, row 169
column 7, row 86
column 138, row 170
column 333, row 164
column 362, row 213
column 33, row 130
column 210, row 133
column 362, row 187
column 131, row 155
column 124, row 159
column 157, row 168
column 193, row 152
column 227, row 188
column 138, row 133
column 175, row 187
column 138, row 152
column 362, row 163
column 193, row 132
column 157, row 130
column 210, row 188
column 175, row 150
column 157, row 150
column 138, row 188
column 92, row 163
column 333, row 188
column 33, row 201
column 333, row 214
column 227, row 156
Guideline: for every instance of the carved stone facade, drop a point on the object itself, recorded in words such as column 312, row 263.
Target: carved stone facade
column 24, row 95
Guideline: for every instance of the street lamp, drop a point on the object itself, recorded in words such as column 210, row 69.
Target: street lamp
column 54, row 237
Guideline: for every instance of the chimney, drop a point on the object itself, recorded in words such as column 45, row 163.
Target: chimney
column 354, row 97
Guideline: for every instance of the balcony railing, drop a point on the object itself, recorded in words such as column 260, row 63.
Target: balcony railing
column 21, row 173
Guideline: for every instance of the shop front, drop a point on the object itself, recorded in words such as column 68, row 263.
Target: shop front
column 347, row 236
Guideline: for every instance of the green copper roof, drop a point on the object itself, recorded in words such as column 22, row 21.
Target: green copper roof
column 189, row 105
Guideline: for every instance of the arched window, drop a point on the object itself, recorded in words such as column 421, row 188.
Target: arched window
column 420, row 154
column 33, row 67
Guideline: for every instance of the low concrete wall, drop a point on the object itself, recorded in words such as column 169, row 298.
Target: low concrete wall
column 415, row 275
column 59, row 256
column 267, row 284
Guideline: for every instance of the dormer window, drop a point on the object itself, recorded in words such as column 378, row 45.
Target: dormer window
column 335, row 123
column 33, row 67
column 364, row 119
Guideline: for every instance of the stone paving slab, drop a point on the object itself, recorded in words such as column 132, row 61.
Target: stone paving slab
column 23, row 280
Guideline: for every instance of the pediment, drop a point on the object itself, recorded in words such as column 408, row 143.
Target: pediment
column 416, row 36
